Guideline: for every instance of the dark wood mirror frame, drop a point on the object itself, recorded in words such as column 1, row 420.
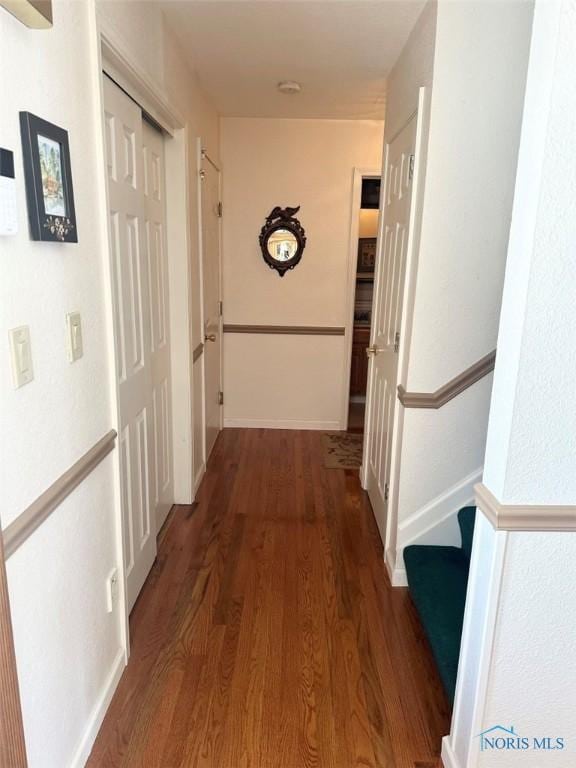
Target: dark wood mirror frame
column 282, row 218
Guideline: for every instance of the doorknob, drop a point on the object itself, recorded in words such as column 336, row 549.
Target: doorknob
column 209, row 337
column 372, row 350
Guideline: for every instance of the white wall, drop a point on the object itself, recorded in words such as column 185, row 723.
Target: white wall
column 150, row 43
column 524, row 672
column 67, row 645
column 479, row 71
column 289, row 380
column 69, row 649
column 414, row 68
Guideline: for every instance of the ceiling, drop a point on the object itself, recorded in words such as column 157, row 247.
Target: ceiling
column 339, row 50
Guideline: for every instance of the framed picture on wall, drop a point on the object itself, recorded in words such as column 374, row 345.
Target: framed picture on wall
column 366, row 254
column 48, row 175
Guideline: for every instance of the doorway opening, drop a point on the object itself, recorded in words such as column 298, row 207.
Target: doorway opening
column 365, row 242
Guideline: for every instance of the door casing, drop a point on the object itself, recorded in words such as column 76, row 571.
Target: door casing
column 202, row 161
column 422, row 113
column 135, row 82
column 359, row 175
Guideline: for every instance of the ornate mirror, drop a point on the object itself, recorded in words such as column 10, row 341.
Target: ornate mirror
column 282, row 239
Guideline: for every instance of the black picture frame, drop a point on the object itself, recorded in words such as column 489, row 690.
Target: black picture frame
column 366, row 254
column 48, row 177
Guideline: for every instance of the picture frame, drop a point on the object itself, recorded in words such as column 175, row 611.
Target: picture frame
column 366, row 254
column 48, row 177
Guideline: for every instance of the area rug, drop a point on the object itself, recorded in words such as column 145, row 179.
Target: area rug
column 342, row 450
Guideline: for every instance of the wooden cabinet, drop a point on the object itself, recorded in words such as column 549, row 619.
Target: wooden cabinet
column 359, row 368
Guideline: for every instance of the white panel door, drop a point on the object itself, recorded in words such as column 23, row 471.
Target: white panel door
column 396, row 202
column 125, row 167
column 155, row 227
column 210, row 243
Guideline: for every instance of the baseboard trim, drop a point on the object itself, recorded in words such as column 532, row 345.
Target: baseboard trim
column 198, row 479
column 448, row 757
column 438, row 510
column 397, row 574
column 334, row 426
column 97, row 716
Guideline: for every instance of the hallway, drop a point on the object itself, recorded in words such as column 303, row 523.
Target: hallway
column 267, row 633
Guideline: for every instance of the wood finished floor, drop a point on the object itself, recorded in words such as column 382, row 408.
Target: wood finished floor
column 268, row 635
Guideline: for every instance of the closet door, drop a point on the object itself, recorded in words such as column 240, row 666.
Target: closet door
column 155, row 226
column 132, row 331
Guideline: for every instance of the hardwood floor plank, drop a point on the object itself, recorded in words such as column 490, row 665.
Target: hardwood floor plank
column 267, row 634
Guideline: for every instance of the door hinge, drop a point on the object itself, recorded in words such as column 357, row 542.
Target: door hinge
column 396, row 341
column 386, row 492
column 220, row 398
column 202, row 175
column 411, row 168
column 219, row 210
column 220, row 308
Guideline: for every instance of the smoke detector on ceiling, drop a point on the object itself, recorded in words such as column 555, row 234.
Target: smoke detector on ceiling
column 289, row 86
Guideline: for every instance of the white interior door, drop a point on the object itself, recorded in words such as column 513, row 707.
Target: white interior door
column 210, row 245
column 396, row 205
column 125, row 171
column 155, row 227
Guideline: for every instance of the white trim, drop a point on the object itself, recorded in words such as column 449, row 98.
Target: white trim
column 199, row 477
column 333, row 426
column 478, row 638
column 422, row 116
column 201, row 292
column 359, row 175
column 110, row 57
column 96, row 718
column 200, row 159
column 396, row 573
column 134, row 80
column 176, row 159
column 437, row 511
column 448, row 757
column 101, row 181
column 408, row 298
column 365, row 468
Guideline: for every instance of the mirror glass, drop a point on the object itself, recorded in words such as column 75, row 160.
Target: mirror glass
column 282, row 244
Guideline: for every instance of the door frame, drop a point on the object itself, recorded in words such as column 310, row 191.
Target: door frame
column 113, row 61
column 422, row 115
column 201, row 157
column 359, row 174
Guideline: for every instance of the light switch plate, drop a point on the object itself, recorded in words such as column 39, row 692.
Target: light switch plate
column 74, row 332
column 21, row 355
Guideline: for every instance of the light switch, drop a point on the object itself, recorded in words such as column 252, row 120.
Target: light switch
column 22, row 372
column 74, row 327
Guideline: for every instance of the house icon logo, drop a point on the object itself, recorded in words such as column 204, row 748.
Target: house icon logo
column 499, row 737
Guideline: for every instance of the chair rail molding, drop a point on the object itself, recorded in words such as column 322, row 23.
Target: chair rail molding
column 293, row 330
column 33, row 516
column 449, row 391
column 12, row 745
column 524, row 517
